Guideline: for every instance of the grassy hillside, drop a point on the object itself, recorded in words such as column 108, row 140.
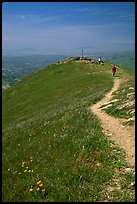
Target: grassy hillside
column 53, row 147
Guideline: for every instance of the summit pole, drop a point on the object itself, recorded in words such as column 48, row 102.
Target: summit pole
column 82, row 53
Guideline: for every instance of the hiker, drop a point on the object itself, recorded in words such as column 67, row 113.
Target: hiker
column 113, row 70
column 99, row 60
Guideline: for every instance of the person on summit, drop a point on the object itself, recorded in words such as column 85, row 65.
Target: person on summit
column 99, row 60
column 113, row 70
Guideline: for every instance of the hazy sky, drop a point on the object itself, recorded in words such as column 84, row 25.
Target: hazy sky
column 69, row 26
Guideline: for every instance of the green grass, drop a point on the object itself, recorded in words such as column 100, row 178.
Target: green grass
column 125, row 105
column 46, row 116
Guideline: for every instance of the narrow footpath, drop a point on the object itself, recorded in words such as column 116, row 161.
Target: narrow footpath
column 124, row 136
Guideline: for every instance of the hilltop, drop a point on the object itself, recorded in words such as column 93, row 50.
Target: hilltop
column 54, row 148
column 14, row 68
column 70, row 59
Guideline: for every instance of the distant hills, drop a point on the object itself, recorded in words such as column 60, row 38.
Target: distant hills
column 123, row 59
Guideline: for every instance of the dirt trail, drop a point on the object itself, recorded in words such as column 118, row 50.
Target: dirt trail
column 122, row 135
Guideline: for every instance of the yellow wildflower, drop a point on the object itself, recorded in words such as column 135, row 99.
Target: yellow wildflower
column 40, row 185
column 38, row 182
column 32, row 170
column 25, row 170
column 38, row 189
column 29, row 171
column 27, row 167
column 31, row 160
column 8, row 169
column 31, row 189
column 23, row 164
column 19, row 172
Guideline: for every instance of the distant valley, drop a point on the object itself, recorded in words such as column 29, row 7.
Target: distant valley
column 14, row 68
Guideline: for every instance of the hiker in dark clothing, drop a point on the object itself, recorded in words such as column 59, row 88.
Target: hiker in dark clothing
column 113, row 70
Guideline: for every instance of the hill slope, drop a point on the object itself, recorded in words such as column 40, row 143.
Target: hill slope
column 50, row 135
